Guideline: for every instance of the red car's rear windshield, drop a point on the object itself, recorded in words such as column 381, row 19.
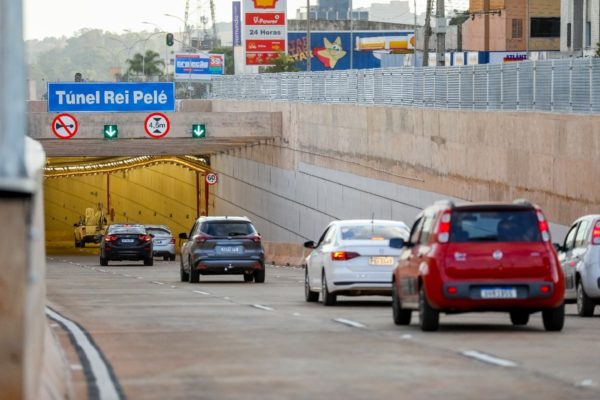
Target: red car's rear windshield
column 494, row 226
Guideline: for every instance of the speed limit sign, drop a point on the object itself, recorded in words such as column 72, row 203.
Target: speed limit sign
column 211, row 178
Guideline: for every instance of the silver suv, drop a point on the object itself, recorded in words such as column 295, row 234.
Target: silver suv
column 222, row 245
column 579, row 257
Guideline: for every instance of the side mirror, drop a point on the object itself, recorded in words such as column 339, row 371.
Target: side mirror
column 558, row 247
column 398, row 243
column 183, row 236
column 309, row 245
column 151, row 235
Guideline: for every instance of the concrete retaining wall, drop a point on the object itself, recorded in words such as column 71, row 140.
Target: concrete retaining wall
column 552, row 159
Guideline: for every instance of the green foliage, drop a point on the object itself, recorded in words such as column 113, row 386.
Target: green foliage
column 148, row 64
column 459, row 17
column 283, row 63
column 598, row 49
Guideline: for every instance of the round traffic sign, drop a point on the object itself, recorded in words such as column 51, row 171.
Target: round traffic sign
column 157, row 125
column 211, row 178
column 64, row 126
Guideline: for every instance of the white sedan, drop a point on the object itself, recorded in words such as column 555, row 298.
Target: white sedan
column 352, row 258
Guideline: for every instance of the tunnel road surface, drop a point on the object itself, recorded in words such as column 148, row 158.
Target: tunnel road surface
column 226, row 339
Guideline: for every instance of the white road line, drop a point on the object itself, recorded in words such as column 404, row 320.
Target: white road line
column 261, row 307
column 76, row 367
column 586, row 383
column 296, row 314
column 107, row 388
column 406, row 337
column 174, row 287
column 200, row 292
column 128, row 276
column 157, row 283
column 226, row 298
column 349, row 322
column 101, row 270
column 489, row 359
column 139, row 277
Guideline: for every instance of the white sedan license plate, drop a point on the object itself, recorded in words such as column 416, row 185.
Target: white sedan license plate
column 499, row 293
column 381, row 260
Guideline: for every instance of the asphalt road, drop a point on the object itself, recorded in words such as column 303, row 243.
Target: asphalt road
column 226, row 339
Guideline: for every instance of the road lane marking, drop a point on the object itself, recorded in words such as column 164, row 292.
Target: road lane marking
column 139, row 277
column 173, row 287
column 76, row 367
column 200, row 292
column 128, row 276
column 349, row 322
column 296, row 314
column 406, row 337
column 489, row 359
column 157, row 283
column 101, row 380
column 261, row 307
column 586, row 383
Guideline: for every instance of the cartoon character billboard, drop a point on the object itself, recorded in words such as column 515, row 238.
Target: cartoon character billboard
column 331, row 50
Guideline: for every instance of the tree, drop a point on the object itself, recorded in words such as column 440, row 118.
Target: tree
column 148, row 64
column 598, row 49
column 283, row 63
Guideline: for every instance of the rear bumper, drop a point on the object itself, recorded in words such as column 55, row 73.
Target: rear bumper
column 366, row 288
column 117, row 254
column 228, row 267
column 467, row 296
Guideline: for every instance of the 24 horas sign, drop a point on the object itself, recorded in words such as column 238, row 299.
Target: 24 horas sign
column 111, row 97
column 265, row 30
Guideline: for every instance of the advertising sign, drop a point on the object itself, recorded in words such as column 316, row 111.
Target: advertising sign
column 111, row 96
column 198, row 66
column 330, row 50
column 237, row 23
column 265, row 30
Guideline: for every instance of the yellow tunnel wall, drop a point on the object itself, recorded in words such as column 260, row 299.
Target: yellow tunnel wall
column 160, row 194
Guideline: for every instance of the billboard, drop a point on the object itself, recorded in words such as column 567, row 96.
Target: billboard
column 198, row 66
column 265, row 30
column 333, row 50
column 237, row 23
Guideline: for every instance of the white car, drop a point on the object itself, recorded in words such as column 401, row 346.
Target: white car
column 352, row 258
column 163, row 241
column 579, row 256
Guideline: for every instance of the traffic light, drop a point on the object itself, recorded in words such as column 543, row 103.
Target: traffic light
column 169, row 39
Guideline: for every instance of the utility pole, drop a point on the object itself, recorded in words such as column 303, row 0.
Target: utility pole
column 486, row 25
column 351, row 35
column 427, row 33
column 415, row 33
column 440, row 33
column 308, row 48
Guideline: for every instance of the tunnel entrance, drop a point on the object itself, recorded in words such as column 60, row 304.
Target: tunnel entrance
column 151, row 190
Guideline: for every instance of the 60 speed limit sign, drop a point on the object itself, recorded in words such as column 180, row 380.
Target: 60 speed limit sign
column 211, row 178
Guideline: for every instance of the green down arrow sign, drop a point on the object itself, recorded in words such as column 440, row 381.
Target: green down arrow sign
column 111, row 132
column 198, row 131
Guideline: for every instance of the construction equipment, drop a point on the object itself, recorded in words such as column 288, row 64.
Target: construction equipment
column 90, row 227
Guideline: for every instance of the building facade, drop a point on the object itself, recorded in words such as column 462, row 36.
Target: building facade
column 580, row 26
column 514, row 25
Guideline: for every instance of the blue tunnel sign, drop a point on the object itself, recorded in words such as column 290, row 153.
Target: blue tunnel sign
column 111, row 97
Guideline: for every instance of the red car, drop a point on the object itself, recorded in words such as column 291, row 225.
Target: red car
column 478, row 257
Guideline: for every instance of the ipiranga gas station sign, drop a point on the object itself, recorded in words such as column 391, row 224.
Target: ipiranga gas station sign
column 111, row 96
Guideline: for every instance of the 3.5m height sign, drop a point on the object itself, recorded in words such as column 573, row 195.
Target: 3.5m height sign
column 265, row 30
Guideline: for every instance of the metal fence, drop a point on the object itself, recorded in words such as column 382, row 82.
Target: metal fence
column 570, row 85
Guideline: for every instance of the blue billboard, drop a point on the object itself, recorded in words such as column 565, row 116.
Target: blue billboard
column 111, row 96
column 335, row 50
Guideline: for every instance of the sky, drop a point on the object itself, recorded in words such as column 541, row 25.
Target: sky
column 44, row 18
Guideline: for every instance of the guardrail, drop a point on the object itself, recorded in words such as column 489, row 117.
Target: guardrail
column 569, row 85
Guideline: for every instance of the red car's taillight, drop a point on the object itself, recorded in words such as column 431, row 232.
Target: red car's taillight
column 172, row 240
column 596, row 233
column 343, row 255
column 543, row 224
column 110, row 238
column 443, row 231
